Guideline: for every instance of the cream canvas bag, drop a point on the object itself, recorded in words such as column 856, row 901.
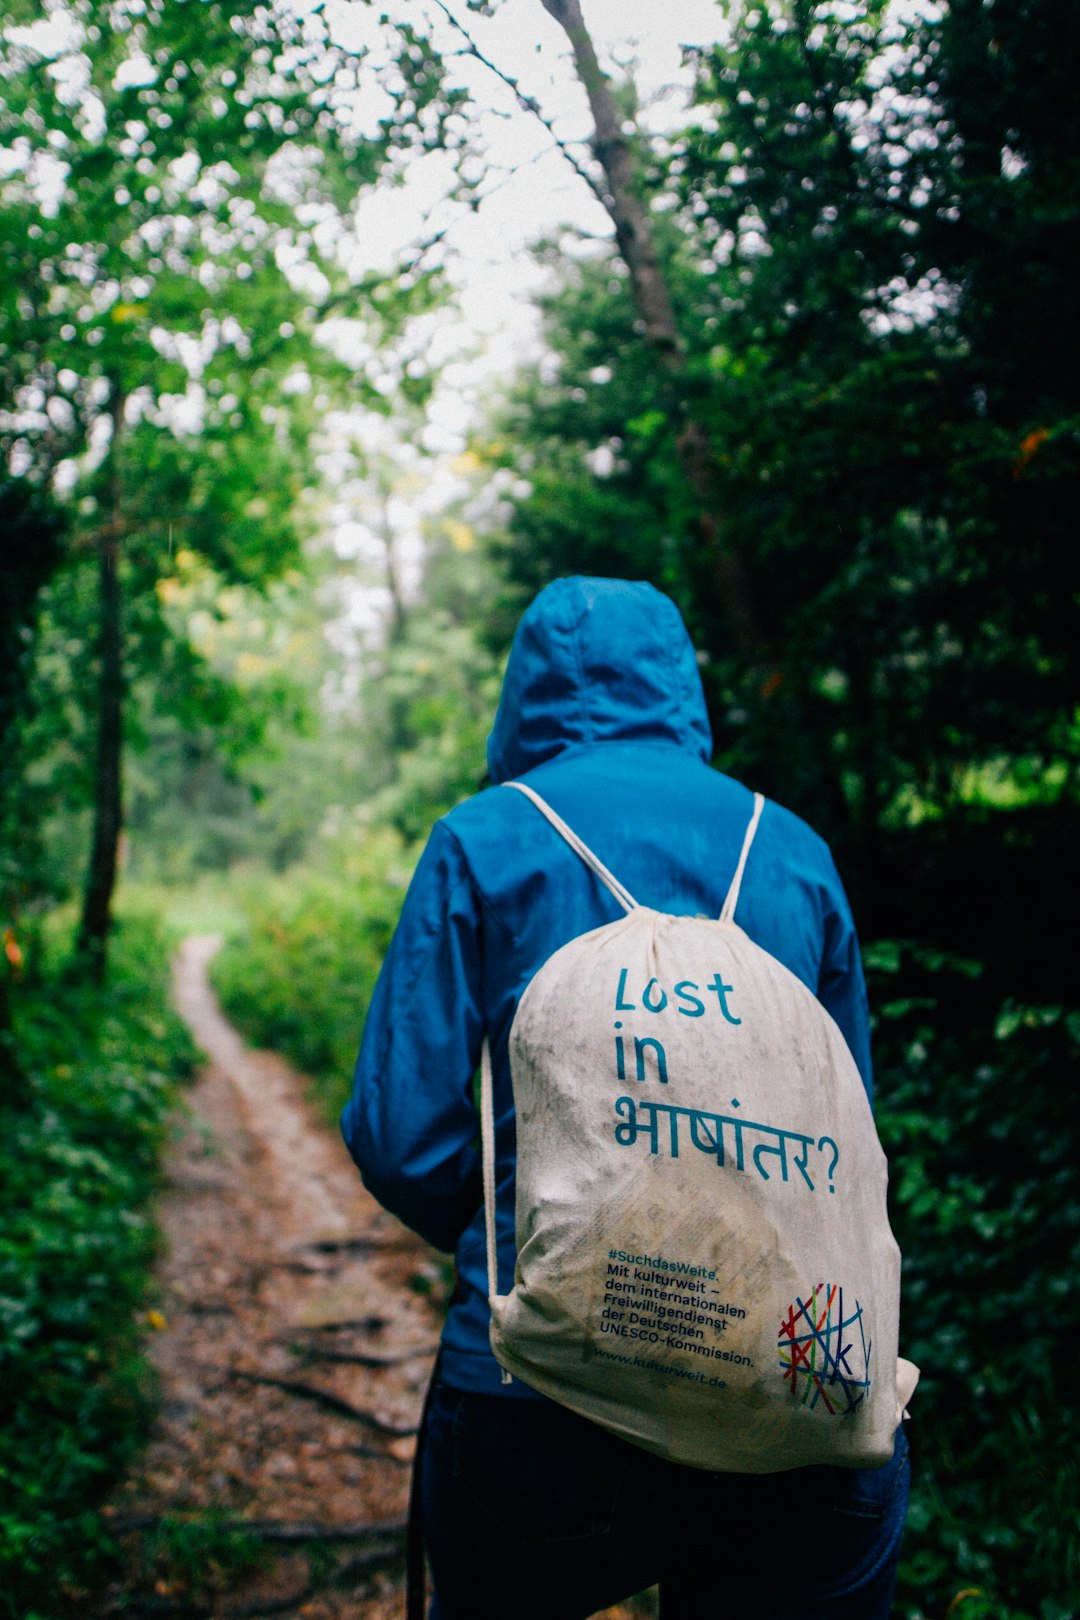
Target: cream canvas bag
column 704, row 1264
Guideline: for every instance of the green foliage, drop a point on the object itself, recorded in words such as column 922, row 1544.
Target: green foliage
column 871, row 387
column 868, row 231
column 591, row 441
column 430, row 694
column 76, row 1244
column 986, row 1209
column 234, row 695
column 177, row 184
column 29, row 548
column 896, row 453
column 184, row 142
column 199, row 1557
column 29, row 538
column 299, row 978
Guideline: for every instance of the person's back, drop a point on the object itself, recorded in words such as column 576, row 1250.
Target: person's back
column 602, row 714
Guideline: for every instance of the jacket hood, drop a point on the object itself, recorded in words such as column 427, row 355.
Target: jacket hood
column 597, row 660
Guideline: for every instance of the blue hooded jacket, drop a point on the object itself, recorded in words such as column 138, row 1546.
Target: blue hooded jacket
column 603, row 714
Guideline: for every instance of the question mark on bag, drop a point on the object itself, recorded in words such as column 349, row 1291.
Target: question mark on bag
column 835, row 1158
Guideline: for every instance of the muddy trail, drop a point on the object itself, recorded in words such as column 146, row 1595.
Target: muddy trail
column 294, row 1336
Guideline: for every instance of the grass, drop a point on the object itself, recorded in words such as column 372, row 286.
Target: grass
column 199, row 1558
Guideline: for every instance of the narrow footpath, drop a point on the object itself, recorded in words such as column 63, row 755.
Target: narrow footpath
column 293, row 1337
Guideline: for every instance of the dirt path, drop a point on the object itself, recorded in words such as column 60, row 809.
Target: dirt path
column 277, row 1266
column 295, row 1333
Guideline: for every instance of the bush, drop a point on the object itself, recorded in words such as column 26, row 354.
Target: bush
column 300, row 976
column 79, row 1161
column 974, row 1108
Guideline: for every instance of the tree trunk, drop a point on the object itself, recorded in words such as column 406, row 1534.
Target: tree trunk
column 652, row 299
column 108, row 789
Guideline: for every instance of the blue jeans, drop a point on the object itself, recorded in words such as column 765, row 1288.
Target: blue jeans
column 532, row 1513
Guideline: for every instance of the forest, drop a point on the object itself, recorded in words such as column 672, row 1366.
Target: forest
column 813, row 371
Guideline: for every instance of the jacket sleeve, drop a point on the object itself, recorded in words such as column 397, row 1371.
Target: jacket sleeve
column 841, row 984
column 410, row 1123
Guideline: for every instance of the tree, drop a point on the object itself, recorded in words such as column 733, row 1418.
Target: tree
column 636, row 242
column 825, row 266
column 870, row 371
column 177, row 189
column 424, row 684
column 872, row 219
column 29, row 547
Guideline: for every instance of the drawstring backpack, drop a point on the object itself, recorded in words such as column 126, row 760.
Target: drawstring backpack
column 704, row 1259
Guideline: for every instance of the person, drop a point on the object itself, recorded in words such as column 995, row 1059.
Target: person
column 529, row 1511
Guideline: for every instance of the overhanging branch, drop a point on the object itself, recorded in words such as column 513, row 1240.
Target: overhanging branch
column 527, row 103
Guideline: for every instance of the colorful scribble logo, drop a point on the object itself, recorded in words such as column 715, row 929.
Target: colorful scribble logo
column 824, row 1351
